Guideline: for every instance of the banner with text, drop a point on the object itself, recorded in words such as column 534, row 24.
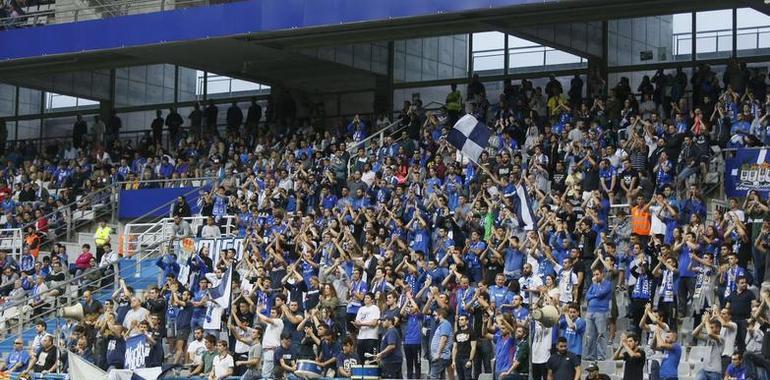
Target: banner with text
column 748, row 170
column 185, row 251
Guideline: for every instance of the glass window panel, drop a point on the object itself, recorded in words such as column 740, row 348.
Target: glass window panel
column 714, row 34
column 61, row 127
column 7, row 100
column 28, row 129
column 29, row 101
column 753, row 32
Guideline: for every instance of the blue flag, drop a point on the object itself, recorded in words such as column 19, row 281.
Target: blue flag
column 523, row 208
column 137, row 350
column 469, row 136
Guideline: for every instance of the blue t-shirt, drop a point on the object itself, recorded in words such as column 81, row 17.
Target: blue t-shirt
column 443, row 329
column 184, row 316
column 504, row 350
column 598, row 297
column 574, row 336
column 739, row 373
column 670, row 364
column 391, row 338
column 412, row 332
column 18, row 357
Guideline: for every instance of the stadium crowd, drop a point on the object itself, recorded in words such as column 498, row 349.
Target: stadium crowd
column 407, row 250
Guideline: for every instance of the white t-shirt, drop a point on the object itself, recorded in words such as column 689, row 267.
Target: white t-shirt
column 137, row 315
column 368, row 314
column 567, row 281
column 657, row 227
column 728, row 336
column 196, row 348
column 222, row 364
column 529, row 283
column 541, row 344
column 272, row 338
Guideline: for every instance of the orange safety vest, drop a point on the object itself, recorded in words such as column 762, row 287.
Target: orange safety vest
column 640, row 221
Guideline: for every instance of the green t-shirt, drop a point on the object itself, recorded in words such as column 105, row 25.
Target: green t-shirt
column 208, row 361
column 454, row 101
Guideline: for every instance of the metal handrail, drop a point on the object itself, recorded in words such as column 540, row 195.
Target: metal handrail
column 381, row 135
column 126, row 234
column 55, row 307
column 121, row 184
column 716, row 34
column 69, row 208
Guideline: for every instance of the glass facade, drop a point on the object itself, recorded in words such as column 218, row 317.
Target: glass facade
column 640, row 40
column 433, row 58
column 142, row 85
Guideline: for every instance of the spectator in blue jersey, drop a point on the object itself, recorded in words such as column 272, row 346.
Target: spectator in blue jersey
column 572, row 327
column 672, row 354
column 440, row 345
column 598, row 297
column 412, row 319
column 736, row 370
column 18, row 359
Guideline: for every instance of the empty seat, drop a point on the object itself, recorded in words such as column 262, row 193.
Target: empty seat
column 698, row 354
column 607, row 367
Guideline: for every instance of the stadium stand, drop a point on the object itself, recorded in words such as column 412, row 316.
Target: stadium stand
column 410, row 235
column 548, row 233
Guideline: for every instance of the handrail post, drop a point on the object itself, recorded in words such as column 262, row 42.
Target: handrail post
column 69, row 226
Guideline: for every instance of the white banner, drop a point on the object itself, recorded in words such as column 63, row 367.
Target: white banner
column 215, row 247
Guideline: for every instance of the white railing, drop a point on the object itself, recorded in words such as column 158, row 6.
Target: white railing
column 145, row 240
column 12, row 239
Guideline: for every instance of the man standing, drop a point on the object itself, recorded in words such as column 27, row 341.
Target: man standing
column 79, row 130
column 739, row 302
column 563, row 365
column 541, row 350
column 464, row 349
column 253, row 116
column 174, row 123
column 101, row 237
column 672, row 354
column 366, row 322
column 440, row 345
column 598, row 296
column 634, row 357
column 271, row 340
column 572, row 329
column 234, row 118
column 390, row 356
column 712, row 367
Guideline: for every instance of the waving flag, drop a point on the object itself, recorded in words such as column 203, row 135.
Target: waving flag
column 219, row 301
column 137, row 350
column 82, row 369
column 523, row 208
column 469, row 136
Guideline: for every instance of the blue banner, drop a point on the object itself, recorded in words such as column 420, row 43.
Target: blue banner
column 137, row 350
column 748, row 170
column 148, row 202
